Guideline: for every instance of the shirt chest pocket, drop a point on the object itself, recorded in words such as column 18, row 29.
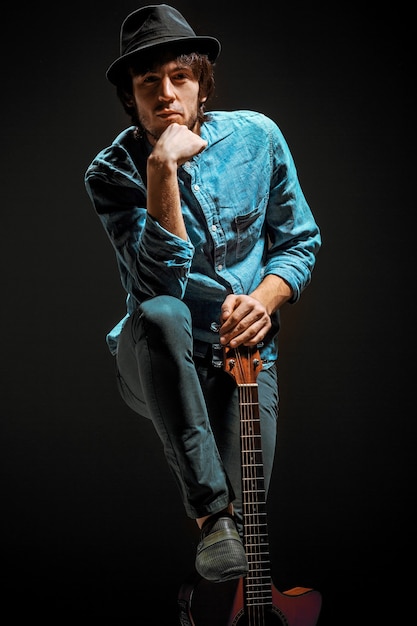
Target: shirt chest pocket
column 247, row 229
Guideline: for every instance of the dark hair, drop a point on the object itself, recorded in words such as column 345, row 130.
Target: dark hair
column 202, row 68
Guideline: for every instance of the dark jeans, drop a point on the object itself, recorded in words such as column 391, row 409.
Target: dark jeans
column 192, row 404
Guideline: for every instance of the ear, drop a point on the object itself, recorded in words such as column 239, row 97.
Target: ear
column 128, row 99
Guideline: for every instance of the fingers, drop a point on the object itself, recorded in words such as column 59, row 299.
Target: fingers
column 244, row 320
column 179, row 143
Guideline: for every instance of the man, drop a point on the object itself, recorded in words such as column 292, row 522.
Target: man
column 212, row 235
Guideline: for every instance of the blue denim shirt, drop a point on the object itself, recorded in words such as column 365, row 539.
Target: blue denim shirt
column 245, row 214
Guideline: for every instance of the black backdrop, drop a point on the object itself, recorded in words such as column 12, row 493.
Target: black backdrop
column 93, row 529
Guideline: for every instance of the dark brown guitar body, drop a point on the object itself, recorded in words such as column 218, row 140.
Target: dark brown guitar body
column 207, row 604
column 297, row 607
column 253, row 600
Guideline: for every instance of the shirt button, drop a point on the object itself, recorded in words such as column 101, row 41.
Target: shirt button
column 196, row 187
column 220, row 267
column 214, row 228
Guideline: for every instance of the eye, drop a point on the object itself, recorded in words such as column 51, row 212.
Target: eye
column 182, row 74
column 150, row 78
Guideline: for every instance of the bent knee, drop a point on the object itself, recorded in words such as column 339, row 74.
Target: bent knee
column 165, row 310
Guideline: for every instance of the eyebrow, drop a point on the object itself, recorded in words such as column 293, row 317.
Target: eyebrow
column 178, row 66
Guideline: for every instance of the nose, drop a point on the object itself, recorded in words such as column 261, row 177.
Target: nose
column 167, row 93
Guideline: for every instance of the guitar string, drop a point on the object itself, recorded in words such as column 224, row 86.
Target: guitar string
column 251, row 460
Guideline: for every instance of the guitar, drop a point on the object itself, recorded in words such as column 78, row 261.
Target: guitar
column 253, row 600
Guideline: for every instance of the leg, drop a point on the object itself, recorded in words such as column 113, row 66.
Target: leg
column 158, row 379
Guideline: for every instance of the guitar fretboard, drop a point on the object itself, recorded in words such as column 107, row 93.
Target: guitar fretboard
column 258, row 582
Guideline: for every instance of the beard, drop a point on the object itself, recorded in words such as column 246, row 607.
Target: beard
column 155, row 133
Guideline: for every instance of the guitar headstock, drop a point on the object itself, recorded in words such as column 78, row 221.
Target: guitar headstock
column 243, row 363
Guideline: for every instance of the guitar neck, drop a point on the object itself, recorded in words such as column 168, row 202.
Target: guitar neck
column 258, row 581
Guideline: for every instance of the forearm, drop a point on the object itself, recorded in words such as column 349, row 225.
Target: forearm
column 272, row 293
column 163, row 202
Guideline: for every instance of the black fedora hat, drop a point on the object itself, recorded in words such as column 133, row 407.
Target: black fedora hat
column 156, row 26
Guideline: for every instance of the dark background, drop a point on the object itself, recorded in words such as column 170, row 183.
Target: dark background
column 92, row 525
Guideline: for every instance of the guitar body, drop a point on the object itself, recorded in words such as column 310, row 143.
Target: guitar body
column 202, row 603
column 253, row 600
column 299, row 606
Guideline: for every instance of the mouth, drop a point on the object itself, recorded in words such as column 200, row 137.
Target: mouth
column 167, row 113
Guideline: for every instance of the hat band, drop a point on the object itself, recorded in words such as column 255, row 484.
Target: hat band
column 153, row 40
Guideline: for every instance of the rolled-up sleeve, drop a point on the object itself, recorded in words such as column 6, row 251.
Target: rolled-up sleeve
column 151, row 260
column 293, row 232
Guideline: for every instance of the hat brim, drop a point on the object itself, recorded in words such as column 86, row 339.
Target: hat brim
column 204, row 45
